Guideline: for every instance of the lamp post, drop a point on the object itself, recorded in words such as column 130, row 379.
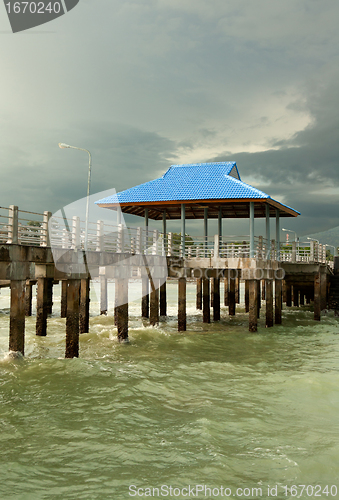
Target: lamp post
column 312, row 239
column 290, row 231
column 64, row 146
column 334, row 251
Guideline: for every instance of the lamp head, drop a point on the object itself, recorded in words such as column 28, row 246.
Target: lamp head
column 63, row 145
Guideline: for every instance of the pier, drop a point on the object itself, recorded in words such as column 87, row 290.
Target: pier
column 40, row 249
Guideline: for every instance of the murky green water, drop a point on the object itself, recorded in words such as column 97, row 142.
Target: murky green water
column 214, row 406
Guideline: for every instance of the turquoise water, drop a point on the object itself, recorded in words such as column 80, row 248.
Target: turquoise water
column 215, row 406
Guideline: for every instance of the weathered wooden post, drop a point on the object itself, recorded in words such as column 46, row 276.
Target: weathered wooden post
column 216, row 299
column 206, row 300
column 269, row 303
column 253, row 306
column 237, row 289
column 122, row 308
column 84, row 305
column 199, row 294
column 323, row 286
column 278, row 301
column 17, row 317
column 72, row 319
column 231, row 291
column 28, row 298
column 263, row 289
column 182, row 304
column 64, row 287
column 212, row 291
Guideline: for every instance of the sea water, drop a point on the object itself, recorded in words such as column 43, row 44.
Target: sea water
column 213, row 412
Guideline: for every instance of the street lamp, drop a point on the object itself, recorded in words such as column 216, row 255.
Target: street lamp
column 290, row 231
column 312, row 239
column 334, row 251
column 64, row 146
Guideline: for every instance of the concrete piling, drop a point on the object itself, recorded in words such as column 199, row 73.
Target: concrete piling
column 103, row 295
column 41, row 307
column 231, row 292
column 72, row 319
column 206, row 300
column 278, row 301
column 64, row 286
column 17, row 317
column 317, row 297
column 163, row 300
column 226, row 291
column 247, row 292
column 253, row 306
column 145, row 298
column 199, row 294
column 28, row 298
column 269, row 303
column 84, row 305
column 122, row 308
column 216, row 299
column 154, row 305
column 182, row 304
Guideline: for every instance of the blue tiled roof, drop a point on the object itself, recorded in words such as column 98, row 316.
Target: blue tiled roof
column 199, row 181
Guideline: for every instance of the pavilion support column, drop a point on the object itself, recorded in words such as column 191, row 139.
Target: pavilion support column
column 145, row 297
column 206, row 300
column 216, row 299
column 154, row 304
column 199, row 294
column 259, row 298
column 247, row 300
column 121, row 308
column 269, row 303
column 288, row 294
column 317, row 295
column 205, row 230
column 183, row 230
column 182, row 304
column 84, row 305
column 268, row 233
column 164, row 232
column 295, row 296
column 220, row 227
column 252, row 229
column 231, row 292
column 64, row 286
column 277, row 231
column 72, row 319
column 28, row 298
column 17, row 317
column 49, row 295
column 278, row 301
column 253, row 306
column 41, row 307
column 103, row 295
column 226, row 291
column 163, row 300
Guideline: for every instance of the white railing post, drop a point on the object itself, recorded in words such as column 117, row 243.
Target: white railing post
column 75, row 232
column 120, row 246
column 155, row 242
column 216, row 245
column 139, row 241
column 65, row 238
column 311, row 251
column 100, row 236
column 169, row 244
column 44, row 233
column 13, row 224
column 294, row 251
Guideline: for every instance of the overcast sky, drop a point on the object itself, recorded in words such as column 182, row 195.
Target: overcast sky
column 144, row 84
